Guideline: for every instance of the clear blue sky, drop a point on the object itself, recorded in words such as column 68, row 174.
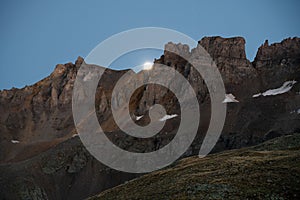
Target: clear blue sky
column 37, row 35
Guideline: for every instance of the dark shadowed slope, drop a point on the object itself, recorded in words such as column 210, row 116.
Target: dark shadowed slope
column 267, row 171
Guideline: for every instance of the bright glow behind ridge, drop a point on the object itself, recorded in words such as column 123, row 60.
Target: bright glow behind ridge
column 147, row 66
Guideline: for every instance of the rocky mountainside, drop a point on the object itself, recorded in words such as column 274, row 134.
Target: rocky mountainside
column 42, row 156
column 270, row 170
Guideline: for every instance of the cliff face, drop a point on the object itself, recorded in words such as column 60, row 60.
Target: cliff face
column 230, row 57
column 278, row 61
column 37, row 114
column 38, row 118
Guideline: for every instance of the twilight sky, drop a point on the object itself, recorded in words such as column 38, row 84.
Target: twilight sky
column 37, row 35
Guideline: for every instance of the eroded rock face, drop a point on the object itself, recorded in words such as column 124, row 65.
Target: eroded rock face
column 253, row 118
column 230, row 57
column 40, row 116
column 278, row 62
column 39, row 113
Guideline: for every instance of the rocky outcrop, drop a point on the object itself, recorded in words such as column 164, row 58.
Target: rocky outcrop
column 40, row 117
column 278, row 62
column 40, row 113
column 249, row 121
column 230, row 57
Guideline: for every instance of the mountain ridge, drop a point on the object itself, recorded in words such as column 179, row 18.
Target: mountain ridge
column 39, row 117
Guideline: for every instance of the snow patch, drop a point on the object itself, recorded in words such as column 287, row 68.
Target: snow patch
column 295, row 111
column 15, row 141
column 229, row 98
column 139, row 117
column 287, row 86
column 166, row 117
column 256, row 95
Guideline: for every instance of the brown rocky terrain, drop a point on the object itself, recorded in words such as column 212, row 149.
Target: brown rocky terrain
column 47, row 161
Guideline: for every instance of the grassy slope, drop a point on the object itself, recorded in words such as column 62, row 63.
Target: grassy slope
column 267, row 171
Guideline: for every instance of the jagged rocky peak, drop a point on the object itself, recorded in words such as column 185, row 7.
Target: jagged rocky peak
column 224, row 47
column 278, row 62
column 171, row 56
column 79, row 61
column 44, row 107
column 184, row 49
column 230, row 57
column 219, row 49
column 62, row 69
column 278, row 53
